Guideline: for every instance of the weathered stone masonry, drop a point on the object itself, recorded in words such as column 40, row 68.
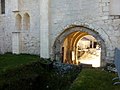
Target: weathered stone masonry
column 39, row 23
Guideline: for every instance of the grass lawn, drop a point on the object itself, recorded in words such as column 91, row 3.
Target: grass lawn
column 9, row 61
column 31, row 75
column 88, row 79
column 94, row 79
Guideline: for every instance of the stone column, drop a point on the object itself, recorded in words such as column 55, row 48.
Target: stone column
column 15, row 42
column 44, row 28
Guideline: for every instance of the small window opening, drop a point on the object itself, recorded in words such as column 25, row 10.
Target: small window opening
column 2, row 6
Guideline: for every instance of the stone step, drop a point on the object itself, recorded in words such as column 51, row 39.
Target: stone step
column 86, row 65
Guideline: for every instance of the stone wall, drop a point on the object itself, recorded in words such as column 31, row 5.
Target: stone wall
column 30, row 43
column 29, row 39
column 91, row 13
column 2, row 33
column 61, row 14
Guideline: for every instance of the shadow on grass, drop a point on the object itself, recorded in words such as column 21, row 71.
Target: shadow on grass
column 33, row 75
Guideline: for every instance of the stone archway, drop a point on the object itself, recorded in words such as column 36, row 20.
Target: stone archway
column 57, row 47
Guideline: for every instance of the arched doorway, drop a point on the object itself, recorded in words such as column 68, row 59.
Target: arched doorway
column 88, row 51
column 66, row 49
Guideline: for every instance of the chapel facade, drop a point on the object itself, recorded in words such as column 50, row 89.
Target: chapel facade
column 63, row 30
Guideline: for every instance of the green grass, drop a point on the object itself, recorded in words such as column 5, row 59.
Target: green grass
column 24, row 67
column 25, row 72
column 9, row 61
column 94, row 79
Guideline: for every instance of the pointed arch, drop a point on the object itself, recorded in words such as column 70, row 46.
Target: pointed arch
column 26, row 21
column 18, row 22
